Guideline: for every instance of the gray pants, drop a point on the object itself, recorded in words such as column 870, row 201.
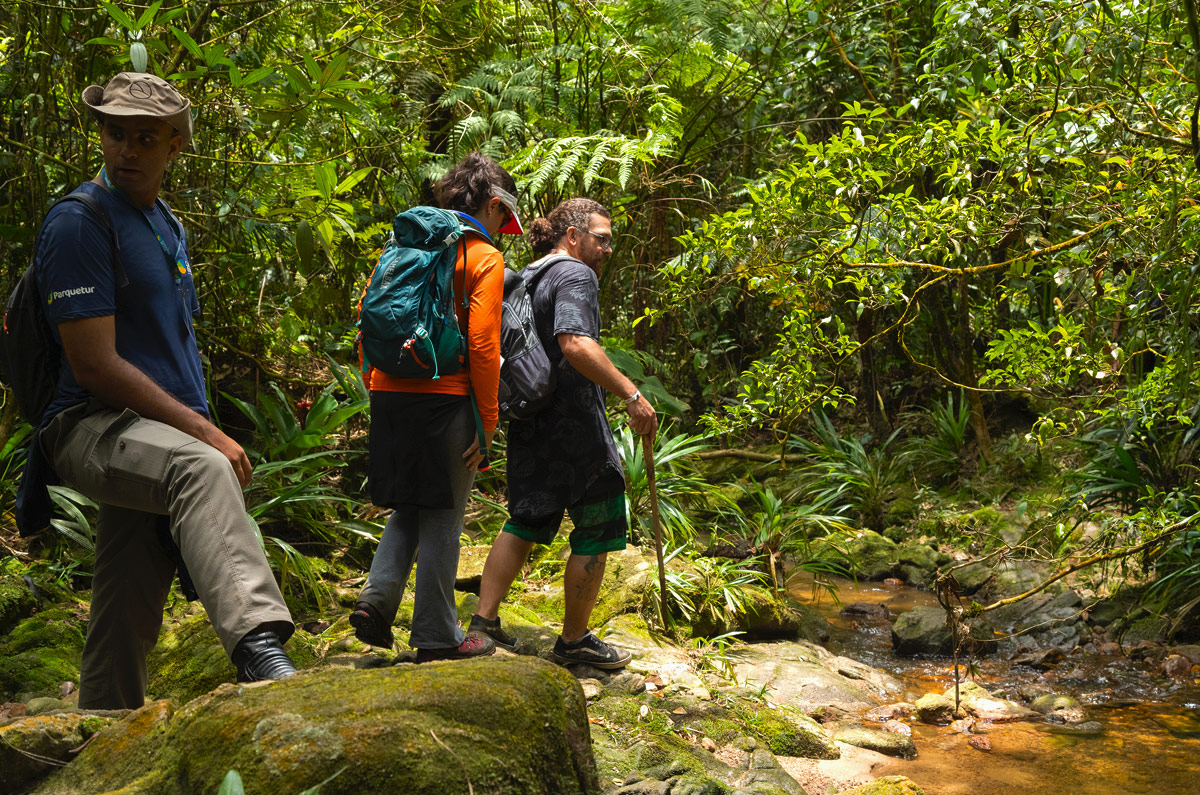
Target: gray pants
column 435, row 532
column 144, row 472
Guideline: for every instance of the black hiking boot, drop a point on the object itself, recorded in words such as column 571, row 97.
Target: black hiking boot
column 259, row 656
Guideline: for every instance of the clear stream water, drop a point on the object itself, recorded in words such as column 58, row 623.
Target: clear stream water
column 1151, row 737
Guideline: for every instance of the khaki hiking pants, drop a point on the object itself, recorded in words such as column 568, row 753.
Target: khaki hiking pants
column 144, row 473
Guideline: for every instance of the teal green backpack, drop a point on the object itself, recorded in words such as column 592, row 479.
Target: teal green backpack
column 406, row 321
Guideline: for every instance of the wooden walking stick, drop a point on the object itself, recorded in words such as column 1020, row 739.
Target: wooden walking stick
column 648, row 454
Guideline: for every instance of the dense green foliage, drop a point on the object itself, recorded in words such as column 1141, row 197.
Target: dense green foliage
column 941, row 219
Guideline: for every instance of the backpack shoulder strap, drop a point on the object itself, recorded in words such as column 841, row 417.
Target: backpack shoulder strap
column 98, row 211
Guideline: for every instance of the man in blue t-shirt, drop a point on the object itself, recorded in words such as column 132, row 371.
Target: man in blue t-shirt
column 129, row 426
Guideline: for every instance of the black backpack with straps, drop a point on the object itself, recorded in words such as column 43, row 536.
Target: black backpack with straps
column 30, row 356
column 527, row 377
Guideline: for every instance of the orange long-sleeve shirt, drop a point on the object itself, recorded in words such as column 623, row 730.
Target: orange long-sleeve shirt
column 483, row 280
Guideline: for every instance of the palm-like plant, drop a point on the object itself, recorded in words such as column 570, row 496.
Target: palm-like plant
column 779, row 530
column 293, row 497
column 940, row 453
column 844, row 473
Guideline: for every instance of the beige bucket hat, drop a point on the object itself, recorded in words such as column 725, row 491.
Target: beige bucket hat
column 140, row 94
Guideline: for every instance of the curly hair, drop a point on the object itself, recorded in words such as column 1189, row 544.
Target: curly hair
column 544, row 233
column 468, row 185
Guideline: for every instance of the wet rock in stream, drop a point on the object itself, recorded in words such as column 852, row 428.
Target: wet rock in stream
column 890, row 743
column 923, row 631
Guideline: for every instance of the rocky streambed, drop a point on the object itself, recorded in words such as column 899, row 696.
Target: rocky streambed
column 818, row 703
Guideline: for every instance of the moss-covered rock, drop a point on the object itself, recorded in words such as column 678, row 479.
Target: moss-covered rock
column 42, row 652
column 973, row 577
column 1123, row 603
column 470, row 568
column 900, row 510
column 935, row 708
column 868, row 553
column 513, row 725
column 762, row 615
column 629, row 576
column 787, row 732
column 30, row 747
column 16, row 601
column 888, row 785
column 1053, row 702
column 923, row 631
column 188, row 659
column 1151, row 628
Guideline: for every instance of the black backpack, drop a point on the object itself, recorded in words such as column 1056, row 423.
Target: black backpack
column 30, row 356
column 527, row 378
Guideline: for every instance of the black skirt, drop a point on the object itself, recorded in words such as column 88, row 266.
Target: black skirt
column 415, row 440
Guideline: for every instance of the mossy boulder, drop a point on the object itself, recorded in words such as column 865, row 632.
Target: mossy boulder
column 1012, row 577
column 1151, row 628
column 629, row 576
column 888, row 785
column 787, row 732
column 900, row 510
column 1119, row 605
column 935, row 708
column 763, row 616
column 1054, row 702
column 470, row 568
column 512, row 725
column 188, row 659
column 16, row 601
column 870, row 555
column 41, row 652
column 30, row 747
column 923, row 631
column 972, row 577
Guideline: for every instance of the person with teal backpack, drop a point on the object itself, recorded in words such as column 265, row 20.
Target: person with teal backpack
column 429, row 329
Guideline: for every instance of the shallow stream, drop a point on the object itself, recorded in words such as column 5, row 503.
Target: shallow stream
column 1150, row 741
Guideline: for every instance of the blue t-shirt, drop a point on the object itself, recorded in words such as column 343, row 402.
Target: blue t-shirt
column 152, row 313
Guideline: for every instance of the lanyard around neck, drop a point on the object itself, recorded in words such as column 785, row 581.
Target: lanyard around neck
column 175, row 262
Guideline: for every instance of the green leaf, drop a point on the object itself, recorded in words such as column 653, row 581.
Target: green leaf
column 352, row 180
column 323, row 178
column 257, row 75
column 188, row 43
column 148, row 15
column 231, row 784
column 122, row 19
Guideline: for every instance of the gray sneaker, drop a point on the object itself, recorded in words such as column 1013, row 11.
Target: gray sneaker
column 590, row 650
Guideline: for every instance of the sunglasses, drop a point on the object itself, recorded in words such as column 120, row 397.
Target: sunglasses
column 605, row 241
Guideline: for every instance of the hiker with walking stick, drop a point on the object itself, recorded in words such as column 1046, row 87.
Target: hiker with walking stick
column 564, row 457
